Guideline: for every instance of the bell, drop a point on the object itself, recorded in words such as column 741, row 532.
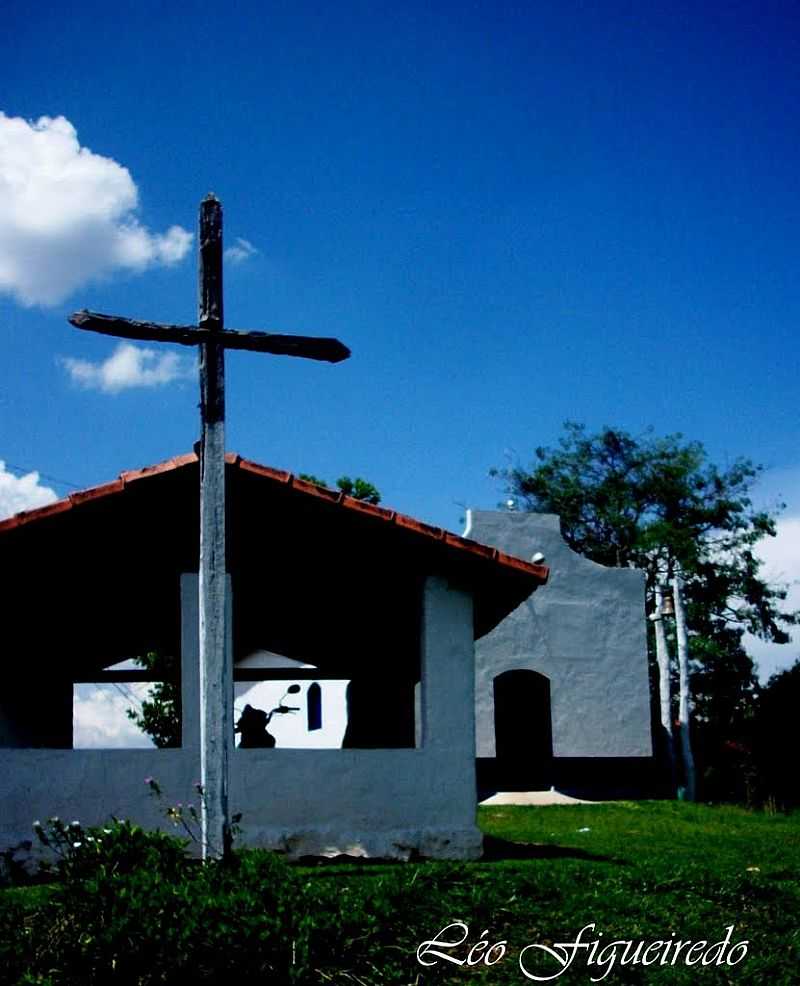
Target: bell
column 667, row 603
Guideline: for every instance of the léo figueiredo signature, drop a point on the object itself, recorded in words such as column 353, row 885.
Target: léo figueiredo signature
column 543, row 962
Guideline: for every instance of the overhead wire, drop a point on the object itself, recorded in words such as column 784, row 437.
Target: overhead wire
column 24, row 471
column 127, row 694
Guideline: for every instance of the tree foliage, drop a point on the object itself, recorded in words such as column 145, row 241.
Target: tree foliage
column 776, row 736
column 160, row 714
column 358, row 488
column 652, row 502
column 659, row 504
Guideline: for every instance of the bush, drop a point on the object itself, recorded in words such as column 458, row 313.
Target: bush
column 131, row 907
column 117, row 848
column 144, row 926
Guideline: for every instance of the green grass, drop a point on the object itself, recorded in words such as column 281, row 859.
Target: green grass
column 646, row 870
column 638, row 871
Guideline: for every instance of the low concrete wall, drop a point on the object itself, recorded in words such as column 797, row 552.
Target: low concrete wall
column 390, row 803
column 89, row 786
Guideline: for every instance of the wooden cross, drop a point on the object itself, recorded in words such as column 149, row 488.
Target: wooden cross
column 216, row 675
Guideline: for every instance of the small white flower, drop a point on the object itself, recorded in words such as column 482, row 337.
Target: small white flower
column 37, row 824
column 75, row 825
column 76, row 845
column 107, row 831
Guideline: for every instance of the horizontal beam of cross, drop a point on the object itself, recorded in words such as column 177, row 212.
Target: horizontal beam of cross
column 308, row 347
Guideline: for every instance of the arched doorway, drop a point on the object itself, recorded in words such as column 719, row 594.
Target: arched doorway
column 523, row 731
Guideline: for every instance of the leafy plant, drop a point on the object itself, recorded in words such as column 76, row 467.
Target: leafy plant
column 160, row 715
column 116, row 848
column 358, row 488
column 187, row 816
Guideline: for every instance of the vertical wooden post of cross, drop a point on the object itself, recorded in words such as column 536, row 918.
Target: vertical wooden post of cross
column 210, row 334
column 216, row 678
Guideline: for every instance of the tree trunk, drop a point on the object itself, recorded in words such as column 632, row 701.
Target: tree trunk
column 664, row 684
column 684, row 711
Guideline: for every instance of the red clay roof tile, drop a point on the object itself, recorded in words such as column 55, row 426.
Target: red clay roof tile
column 278, row 475
column 176, row 462
column 474, row 546
column 538, row 573
column 57, row 507
column 323, row 492
column 372, row 509
column 401, row 520
column 94, row 492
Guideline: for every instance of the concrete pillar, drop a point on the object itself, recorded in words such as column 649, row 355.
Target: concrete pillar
column 190, row 658
column 190, row 665
column 448, row 669
column 448, row 721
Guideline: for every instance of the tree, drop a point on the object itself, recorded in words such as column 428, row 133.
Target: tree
column 775, row 738
column 160, row 715
column 658, row 504
column 358, row 488
column 664, row 690
column 684, row 700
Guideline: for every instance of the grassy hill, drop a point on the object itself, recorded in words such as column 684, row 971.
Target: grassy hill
column 641, row 872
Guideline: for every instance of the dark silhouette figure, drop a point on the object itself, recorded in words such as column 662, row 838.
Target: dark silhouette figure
column 252, row 725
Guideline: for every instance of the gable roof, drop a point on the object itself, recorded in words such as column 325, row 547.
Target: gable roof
column 537, row 573
column 502, row 580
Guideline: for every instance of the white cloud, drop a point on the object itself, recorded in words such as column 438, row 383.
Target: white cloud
column 68, row 215
column 241, row 250
column 99, row 719
column 781, row 557
column 22, row 492
column 127, row 367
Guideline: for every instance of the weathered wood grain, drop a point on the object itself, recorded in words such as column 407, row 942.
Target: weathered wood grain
column 210, row 334
column 216, row 675
column 327, row 350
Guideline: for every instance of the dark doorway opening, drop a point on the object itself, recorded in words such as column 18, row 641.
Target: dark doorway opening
column 523, row 731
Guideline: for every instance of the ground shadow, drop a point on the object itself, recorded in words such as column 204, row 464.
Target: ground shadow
column 495, row 850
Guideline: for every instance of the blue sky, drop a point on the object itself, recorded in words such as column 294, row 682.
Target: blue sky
column 513, row 214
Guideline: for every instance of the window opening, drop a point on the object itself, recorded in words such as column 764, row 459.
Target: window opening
column 130, row 704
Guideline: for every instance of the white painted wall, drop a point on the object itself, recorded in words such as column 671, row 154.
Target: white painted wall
column 291, row 729
column 375, row 802
column 585, row 630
